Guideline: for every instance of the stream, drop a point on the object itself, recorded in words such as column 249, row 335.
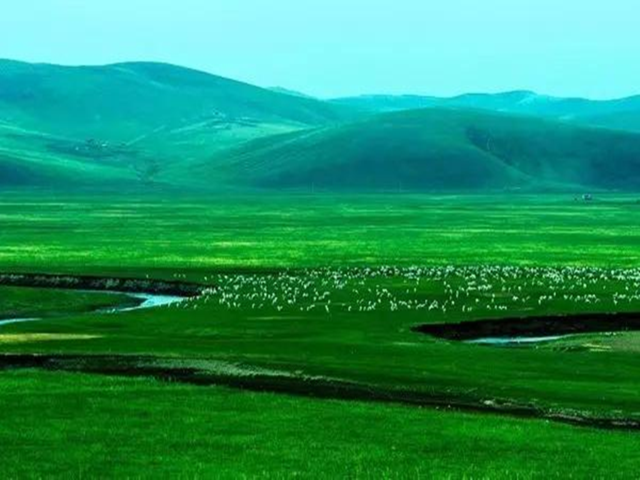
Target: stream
column 513, row 341
column 510, row 332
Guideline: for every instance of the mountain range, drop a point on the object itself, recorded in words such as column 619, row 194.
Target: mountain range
column 621, row 114
column 151, row 125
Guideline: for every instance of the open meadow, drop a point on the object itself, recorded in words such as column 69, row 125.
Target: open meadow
column 181, row 234
column 324, row 240
column 301, row 352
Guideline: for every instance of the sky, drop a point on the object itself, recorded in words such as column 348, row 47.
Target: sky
column 332, row 48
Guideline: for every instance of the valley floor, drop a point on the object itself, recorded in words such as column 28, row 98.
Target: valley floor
column 298, row 297
column 147, row 235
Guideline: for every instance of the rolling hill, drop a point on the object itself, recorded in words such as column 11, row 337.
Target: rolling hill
column 136, row 125
column 133, row 119
column 382, row 103
column 438, row 150
column 122, row 102
column 623, row 114
column 30, row 158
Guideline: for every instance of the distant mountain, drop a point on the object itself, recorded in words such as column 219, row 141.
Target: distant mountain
column 438, row 150
column 140, row 125
column 388, row 103
column 140, row 116
column 621, row 114
column 124, row 101
column 288, row 91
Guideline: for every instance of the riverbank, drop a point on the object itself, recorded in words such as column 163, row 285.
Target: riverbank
column 96, row 283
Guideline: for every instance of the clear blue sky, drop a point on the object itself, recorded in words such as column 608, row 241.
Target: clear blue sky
column 344, row 47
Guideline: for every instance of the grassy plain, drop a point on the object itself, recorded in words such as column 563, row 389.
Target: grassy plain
column 89, row 426
column 43, row 302
column 147, row 235
column 294, row 280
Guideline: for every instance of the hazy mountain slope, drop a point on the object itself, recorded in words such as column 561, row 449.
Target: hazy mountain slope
column 438, row 149
column 530, row 103
column 145, row 118
column 619, row 114
column 32, row 159
column 388, row 103
column 125, row 101
column 288, row 91
column 628, row 120
column 156, row 124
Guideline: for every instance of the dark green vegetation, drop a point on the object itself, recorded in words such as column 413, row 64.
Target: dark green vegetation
column 436, row 149
column 332, row 332
column 177, row 430
column 87, row 283
column 149, row 127
column 621, row 114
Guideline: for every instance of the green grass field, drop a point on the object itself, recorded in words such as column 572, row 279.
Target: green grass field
column 305, row 340
column 183, row 431
column 41, row 302
column 44, row 232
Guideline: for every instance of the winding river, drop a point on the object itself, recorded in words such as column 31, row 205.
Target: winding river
column 531, row 330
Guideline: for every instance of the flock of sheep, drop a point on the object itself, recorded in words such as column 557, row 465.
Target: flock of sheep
column 438, row 290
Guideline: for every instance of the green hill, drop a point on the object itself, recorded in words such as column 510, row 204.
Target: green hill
column 621, row 114
column 134, row 120
column 288, row 91
column 437, row 149
column 30, row 158
column 147, row 124
column 125, row 101
column 387, row 103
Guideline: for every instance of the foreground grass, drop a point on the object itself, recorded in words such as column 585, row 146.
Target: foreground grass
column 263, row 320
column 86, row 426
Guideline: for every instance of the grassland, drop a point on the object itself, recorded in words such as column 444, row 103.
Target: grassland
column 302, row 301
column 117, row 125
column 354, row 328
column 42, row 302
column 300, row 355
column 90, row 426
column 147, row 235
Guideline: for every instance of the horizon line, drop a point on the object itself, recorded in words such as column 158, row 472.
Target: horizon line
column 323, row 98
